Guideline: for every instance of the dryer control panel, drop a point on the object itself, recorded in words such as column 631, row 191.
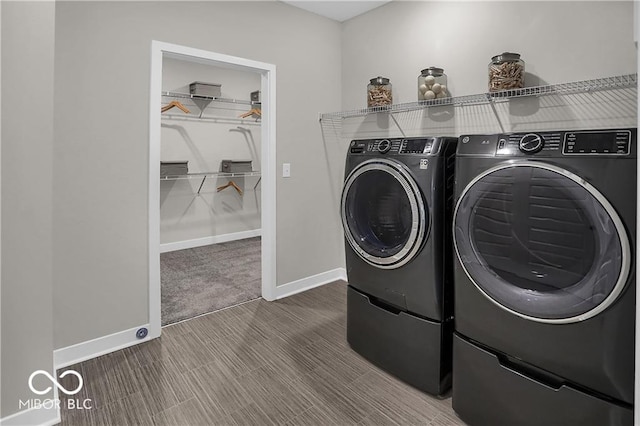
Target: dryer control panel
column 616, row 142
column 612, row 142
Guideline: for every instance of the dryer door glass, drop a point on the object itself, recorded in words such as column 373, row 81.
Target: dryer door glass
column 541, row 243
column 383, row 213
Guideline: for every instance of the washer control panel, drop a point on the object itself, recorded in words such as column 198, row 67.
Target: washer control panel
column 416, row 146
column 394, row 146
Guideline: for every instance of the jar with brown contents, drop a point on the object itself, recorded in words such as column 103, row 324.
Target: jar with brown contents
column 506, row 71
column 379, row 92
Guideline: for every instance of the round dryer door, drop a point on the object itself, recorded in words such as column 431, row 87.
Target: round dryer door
column 383, row 213
column 541, row 243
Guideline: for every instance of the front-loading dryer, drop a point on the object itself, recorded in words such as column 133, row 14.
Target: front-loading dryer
column 544, row 235
column 396, row 212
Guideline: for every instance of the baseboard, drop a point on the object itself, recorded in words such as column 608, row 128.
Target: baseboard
column 79, row 352
column 206, row 241
column 32, row 417
column 308, row 283
column 36, row 416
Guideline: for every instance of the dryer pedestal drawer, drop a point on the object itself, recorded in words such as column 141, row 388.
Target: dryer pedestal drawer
column 485, row 392
column 413, row 349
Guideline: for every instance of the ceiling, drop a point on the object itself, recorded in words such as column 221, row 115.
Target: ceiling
column 337, row 10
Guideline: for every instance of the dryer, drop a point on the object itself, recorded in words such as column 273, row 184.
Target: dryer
column 544, row 235
column 396, row 212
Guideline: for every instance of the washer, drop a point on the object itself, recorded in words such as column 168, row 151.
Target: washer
column 544, row 235
column 396, row 212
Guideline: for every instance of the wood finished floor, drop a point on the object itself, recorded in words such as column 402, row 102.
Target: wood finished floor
column 260, row 363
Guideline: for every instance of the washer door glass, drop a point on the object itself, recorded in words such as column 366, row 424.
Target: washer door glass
column 383, row 213
column 541, row 243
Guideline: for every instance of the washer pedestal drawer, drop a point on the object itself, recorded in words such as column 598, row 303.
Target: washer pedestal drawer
column 413, row 349
column 488, row 392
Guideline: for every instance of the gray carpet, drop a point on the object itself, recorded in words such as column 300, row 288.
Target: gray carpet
column 204, row 279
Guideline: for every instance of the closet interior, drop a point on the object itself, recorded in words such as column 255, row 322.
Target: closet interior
column 210, row 215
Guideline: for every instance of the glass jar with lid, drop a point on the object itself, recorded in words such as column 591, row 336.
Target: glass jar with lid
column 379, row 92
column 432, row 84
column 506, row 71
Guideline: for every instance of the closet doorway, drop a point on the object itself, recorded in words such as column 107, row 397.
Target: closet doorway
column 213, row 245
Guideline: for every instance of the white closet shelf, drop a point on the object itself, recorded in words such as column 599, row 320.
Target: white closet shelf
column 204, row 175
column 178, row 95
column 584, row 86
column 226, row 110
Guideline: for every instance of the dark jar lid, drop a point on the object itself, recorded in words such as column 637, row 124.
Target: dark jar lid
column 379, row 81
column 506, row 57
column 433, row 71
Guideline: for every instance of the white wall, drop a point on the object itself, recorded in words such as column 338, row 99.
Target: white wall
column 185, row 215
column 27, row 139
column 101, row 144
column 559, row 42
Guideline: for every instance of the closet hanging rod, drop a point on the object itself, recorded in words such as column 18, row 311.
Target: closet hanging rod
column 230, row 120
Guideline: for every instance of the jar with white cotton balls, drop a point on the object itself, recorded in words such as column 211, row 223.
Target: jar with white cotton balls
column 432, row 84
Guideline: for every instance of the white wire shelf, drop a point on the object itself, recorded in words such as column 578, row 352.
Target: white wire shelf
column 217, row 109
column 204, row 175
column 584, row 86
column 179, row 95
column 210, row 175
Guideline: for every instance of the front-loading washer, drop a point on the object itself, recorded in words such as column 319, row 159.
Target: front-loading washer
column 396, row 212
column 544, row 235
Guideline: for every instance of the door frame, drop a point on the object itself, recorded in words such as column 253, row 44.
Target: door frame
column 160, row 50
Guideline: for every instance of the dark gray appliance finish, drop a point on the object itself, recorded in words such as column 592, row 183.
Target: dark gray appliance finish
column 544, row 234
column 414, row 349
column 515, row 399
column 396, row 211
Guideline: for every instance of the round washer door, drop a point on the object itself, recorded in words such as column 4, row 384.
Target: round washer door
column 541, row 243
column 383, row 213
